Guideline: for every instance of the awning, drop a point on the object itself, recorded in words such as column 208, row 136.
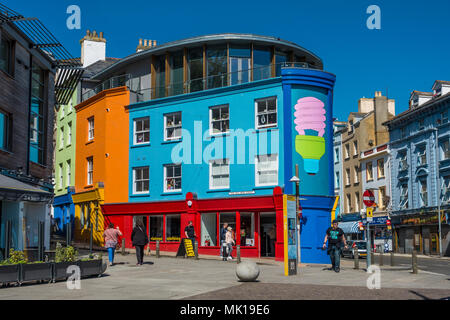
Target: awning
column 14, row 190
column 350, row 227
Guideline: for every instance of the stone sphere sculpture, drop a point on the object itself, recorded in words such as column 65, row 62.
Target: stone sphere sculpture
column 247, row 271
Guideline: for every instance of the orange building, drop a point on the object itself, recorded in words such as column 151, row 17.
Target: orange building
column 101, row 172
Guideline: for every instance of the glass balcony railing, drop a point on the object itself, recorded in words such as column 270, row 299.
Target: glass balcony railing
column 114, row 82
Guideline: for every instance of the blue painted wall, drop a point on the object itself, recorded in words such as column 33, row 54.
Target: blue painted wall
column 64, row 211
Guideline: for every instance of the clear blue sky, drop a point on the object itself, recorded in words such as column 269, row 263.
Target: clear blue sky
column 411, row 50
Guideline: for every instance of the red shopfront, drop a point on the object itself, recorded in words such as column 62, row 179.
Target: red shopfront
column 250, row 217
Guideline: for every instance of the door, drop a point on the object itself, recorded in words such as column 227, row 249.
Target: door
column 267, row 223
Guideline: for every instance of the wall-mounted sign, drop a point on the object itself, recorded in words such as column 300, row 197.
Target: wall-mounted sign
column 241, row 193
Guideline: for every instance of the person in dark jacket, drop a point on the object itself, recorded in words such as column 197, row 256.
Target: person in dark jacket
column 223, row 233
column 140, row 240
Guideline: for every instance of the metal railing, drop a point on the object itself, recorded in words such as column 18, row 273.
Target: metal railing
column 114, row 82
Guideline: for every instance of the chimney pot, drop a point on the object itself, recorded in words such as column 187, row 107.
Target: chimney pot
column 154, row 43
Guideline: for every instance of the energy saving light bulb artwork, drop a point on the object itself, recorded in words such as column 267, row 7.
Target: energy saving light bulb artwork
column 310, row 115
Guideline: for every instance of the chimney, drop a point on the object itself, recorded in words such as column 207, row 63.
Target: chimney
column 147, row 44
column 93, row 48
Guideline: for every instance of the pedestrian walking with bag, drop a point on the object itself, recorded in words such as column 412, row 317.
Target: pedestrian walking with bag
column 230, row 242
column 335, row 237
column 111, row 236
column 139, row 239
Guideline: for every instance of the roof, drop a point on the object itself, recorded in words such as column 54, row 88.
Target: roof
column 422, row 93
column 214, row 38
column 98, row 66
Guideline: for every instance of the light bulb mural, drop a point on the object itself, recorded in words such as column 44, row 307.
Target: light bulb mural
column 310, row 116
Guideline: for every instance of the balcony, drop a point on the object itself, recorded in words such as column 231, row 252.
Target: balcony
column 194, row 85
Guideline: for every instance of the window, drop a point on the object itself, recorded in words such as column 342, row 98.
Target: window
column 423, row 192
column 445, row 150
column 355, row 148
column 247, row 229
column 219, row 119
column 262, row 60
column 37, row 123
column 266, row 170
column 195, row 69
column 336, row 155
column 142, row 130
column 176, row 73
column 381, row 198
column 337, row 181
column 141, row 180
column 209, row 230
column 444, row 117
column 217, row 66
column 357, row 202
column 404, row 196
column 350, row 126
column 173, row 228
column 172, row 126
column 5, row 125
column 219, row 173
column 347, row 151
column 266, row 113
column 61, row 112
column 369, row 171
column 347, row 177
column 422, row 156
column 349, row 203
column 90, row 171
column 403, row 162
column 6, row 55
column 172, row 178
column 356, row 172
column 61, row 177
column 445, row 190
column 230, row 218
column 69, row 133
column 421, row 124
column 156, row 228
column 403, row 133
column 68, row 173
column 91, row 128
column 240, row 60
column 61, row 138
column 380, row 168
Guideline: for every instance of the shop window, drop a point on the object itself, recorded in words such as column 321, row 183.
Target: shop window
column 172, row 126
column 6, row 55
column 173, row 228
column 219, row 119
column 209, row 229
column 90, row 171
column 37, row 123
column 219, row 174
column 266, row 170
column 172, row 178
column 247, row 229
column 142, row 130
column 156, row 228
column 266, row 113
column 230, row 218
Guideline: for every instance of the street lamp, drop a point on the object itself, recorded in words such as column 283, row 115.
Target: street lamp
column 295, row 179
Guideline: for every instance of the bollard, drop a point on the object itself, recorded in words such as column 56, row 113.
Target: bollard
column 414, row 262
column 196, row 249
column 238, row 254
column 356, row 257
column 123, row 247
column 381, row 255
column 157, row 249
column 392, row 259
column 372, row 256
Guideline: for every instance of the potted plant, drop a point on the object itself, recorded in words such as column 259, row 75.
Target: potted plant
column 64, row 258
column 35, row 271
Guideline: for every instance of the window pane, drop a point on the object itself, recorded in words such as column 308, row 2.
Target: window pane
column 208, row 229
column 261, row 63
column 195, row 69
column 247, row 229
column 173, row 226
column 156, row 228
column 229, row 218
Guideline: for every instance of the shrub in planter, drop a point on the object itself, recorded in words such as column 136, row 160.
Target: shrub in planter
column 64, row 258
column 91, row 267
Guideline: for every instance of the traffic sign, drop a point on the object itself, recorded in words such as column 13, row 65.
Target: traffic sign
column 369, row 213
column 369, row 198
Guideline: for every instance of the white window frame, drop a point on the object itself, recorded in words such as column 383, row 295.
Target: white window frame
column 175, row 177
column 61, row 138
column 90, row 171
column 68, row 172
column 382, row 168
column 336, row 155
column 445, row 153
column 136, row 133
column 221, row 162
column 355, row 170
column 348, row 179
column 174, row 126
column 337, row 180
column 404, row 197
column 369, row 171
column 91, row 128
column 445, row 190
column 357, row 200
column 355, row 148
column 347, row 151
column 211, row 128
column 258, row 171
column 349, row 203
column 69, row 134
column 61, row 176
column 266, row 112
column 142, row 180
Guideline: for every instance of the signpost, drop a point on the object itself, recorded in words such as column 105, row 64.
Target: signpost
column 290, row 235
column 369, row 201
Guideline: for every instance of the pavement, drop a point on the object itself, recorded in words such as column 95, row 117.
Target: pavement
column 210, row 278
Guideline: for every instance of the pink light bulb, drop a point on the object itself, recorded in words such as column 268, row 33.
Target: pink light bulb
column 310, row 114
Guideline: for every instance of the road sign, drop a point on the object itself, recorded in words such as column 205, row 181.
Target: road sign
column 369, row 198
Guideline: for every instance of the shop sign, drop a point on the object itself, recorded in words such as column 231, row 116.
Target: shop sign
column 422, row 220
column 241, row 193
column 186, row 248
column 377, row 221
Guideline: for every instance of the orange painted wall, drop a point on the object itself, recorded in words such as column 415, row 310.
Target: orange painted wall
column 109, row 148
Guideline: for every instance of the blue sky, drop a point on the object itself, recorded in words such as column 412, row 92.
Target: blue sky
column 411, row 50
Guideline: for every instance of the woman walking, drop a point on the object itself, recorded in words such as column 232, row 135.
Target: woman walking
column 140, row 239
column 111, row 236
column 230, row 242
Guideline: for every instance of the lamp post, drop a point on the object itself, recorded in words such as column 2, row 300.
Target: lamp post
column 295, row 179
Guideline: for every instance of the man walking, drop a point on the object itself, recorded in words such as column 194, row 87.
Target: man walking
column 335, row 237
column 223, row 233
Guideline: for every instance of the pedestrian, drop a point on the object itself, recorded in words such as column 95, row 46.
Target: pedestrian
column 273, row 239
column 230, row 242
column 335, row 237
column 223, row 233
column 189, row 232
column 140, row 240
column 111, row 236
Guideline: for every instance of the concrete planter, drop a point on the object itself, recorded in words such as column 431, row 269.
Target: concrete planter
column 9, row 274
column 60, row 270
column 36, row 272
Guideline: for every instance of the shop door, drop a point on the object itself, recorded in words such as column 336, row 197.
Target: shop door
column 267, row 245
column 434, row 246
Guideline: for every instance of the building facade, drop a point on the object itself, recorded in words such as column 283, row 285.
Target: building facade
column 338, row 168
column 420, row 172
column 215, row 127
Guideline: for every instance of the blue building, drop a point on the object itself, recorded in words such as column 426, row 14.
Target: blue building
column 215, row 137
column 420, row 172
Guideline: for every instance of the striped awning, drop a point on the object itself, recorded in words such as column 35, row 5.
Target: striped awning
column 350, row 227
